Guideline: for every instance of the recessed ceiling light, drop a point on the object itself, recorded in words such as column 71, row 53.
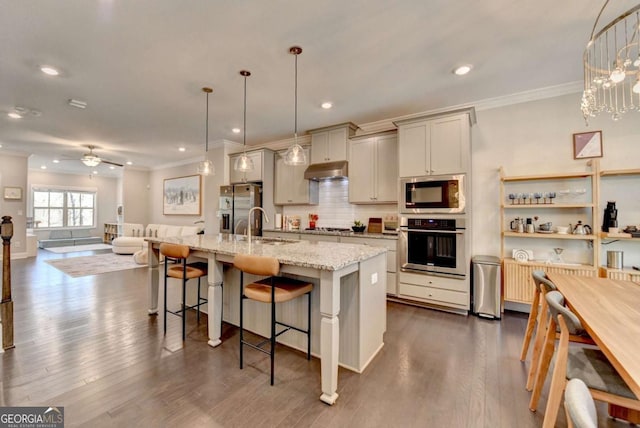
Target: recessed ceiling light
column 43, row 167
column 129, row 163
column 56, row 161
column 236, row 130
column 462, row 70
column 95, row 172
column 77, row 103
column 14, row 115
column 112, row 167
column 0, row 146
column 49, row 70
column 182, row 149
column 326, row 105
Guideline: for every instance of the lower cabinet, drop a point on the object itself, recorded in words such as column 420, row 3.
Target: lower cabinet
column 392, row 257
column 445, row 292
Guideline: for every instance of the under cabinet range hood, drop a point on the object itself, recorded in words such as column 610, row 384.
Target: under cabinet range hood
column 327, row 170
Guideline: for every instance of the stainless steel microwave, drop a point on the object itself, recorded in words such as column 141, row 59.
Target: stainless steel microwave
column 433, row 194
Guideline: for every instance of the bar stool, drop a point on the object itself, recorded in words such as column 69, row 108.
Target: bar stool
column 274, row 289
column 184, row 271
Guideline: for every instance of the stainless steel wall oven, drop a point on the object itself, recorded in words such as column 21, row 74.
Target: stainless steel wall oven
column 433, row 245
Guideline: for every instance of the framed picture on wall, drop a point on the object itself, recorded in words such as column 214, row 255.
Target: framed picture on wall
column 181, row 195
column 587, row 145
column 13, row 193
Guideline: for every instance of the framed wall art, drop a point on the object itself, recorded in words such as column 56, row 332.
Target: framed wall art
column 587, row 145
column 13, row 193
column 182, row 195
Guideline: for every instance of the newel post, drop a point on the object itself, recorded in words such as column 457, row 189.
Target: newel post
column 6, row 306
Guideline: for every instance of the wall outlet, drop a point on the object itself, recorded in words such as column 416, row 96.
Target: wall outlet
column 374, row 278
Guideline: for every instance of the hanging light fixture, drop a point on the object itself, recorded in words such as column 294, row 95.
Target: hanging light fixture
column 205, row 167
column 612, row 67
column 244, row 163
column 295, row 153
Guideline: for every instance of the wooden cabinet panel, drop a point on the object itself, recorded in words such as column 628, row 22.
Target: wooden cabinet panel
column 290, row 187
column 330, row 144
column 249, row 176
column 373, row 169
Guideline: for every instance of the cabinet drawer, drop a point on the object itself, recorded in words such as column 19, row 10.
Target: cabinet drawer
column 434, row 281
column 389, row 244
column 433, row 294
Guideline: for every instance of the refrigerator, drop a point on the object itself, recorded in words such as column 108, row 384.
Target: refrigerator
column 235, row 203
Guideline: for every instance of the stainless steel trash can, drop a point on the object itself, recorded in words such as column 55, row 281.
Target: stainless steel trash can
column 486, row 274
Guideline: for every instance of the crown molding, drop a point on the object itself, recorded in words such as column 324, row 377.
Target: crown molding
column 485, row 104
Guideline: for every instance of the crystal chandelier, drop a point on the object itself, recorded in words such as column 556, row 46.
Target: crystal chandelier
column 295, row 153
column 612, row 67
column 244, row 163
column 205, row 167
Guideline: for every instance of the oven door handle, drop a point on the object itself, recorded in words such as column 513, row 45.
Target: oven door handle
column 450, row 232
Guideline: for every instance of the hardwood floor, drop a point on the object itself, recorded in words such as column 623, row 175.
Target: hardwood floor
column 88, row 344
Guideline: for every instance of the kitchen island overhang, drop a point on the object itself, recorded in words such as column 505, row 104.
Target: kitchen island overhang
column 348, row 302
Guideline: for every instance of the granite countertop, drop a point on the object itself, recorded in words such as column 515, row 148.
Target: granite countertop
column 317, row 255
column 390, row 235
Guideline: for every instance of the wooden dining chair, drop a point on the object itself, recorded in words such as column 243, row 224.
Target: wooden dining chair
column 579, row 406
column 543, row 286
column 272, row 290
column 586, row 363
column 176, row 256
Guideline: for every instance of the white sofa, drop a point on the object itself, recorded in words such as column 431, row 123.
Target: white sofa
column 132, row 239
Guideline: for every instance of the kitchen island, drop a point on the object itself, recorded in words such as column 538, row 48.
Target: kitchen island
column 348, row 302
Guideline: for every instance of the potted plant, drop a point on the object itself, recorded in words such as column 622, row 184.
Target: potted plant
column 358, row 227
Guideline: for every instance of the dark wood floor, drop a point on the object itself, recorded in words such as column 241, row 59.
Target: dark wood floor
column 88, row 344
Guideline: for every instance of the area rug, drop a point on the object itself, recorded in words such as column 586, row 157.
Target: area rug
column 76, row 248
column 94, row 265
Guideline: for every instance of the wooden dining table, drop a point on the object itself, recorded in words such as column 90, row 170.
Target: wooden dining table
column 609, row 310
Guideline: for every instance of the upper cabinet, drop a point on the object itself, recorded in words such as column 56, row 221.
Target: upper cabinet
column 330, row 144
column 435, row 145
column 291, row 188
column 373, row 169
column 255, row 175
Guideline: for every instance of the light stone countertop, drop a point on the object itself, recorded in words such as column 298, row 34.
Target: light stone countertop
column 393, row 236
column 316, row 255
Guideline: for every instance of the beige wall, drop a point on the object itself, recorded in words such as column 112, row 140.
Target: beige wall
column 136, row 196
column 106, row 198
column 13, row 173
column 536, row 138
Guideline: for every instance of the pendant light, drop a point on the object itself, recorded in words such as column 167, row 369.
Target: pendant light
column 244, row 163
column 205, row 167
column 295, row 153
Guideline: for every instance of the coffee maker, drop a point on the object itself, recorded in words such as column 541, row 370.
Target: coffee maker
column 610, row 216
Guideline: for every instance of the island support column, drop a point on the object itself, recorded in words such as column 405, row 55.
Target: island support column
column 329, row 334
column 214, row 278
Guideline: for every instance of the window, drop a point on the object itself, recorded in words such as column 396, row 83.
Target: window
column 64, row 208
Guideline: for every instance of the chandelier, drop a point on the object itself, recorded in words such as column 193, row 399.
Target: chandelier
column 206, row 167
column 612, row 67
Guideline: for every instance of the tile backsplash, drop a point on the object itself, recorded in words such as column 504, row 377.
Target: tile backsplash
column 334, row 209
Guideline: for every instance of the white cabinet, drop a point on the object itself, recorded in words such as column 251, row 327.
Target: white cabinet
column 291, row 188
column 373, row 169
column 250, row 176
column 435, row 145
column 330, row 144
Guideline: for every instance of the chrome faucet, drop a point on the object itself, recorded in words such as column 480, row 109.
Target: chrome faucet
column 249, row 222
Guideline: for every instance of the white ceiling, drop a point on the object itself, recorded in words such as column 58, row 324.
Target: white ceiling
column 140, row 65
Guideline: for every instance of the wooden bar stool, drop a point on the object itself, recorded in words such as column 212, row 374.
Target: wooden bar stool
column 274, row 289
column 178, row 254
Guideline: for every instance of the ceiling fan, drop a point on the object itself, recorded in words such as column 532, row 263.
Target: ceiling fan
column 91, row 159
